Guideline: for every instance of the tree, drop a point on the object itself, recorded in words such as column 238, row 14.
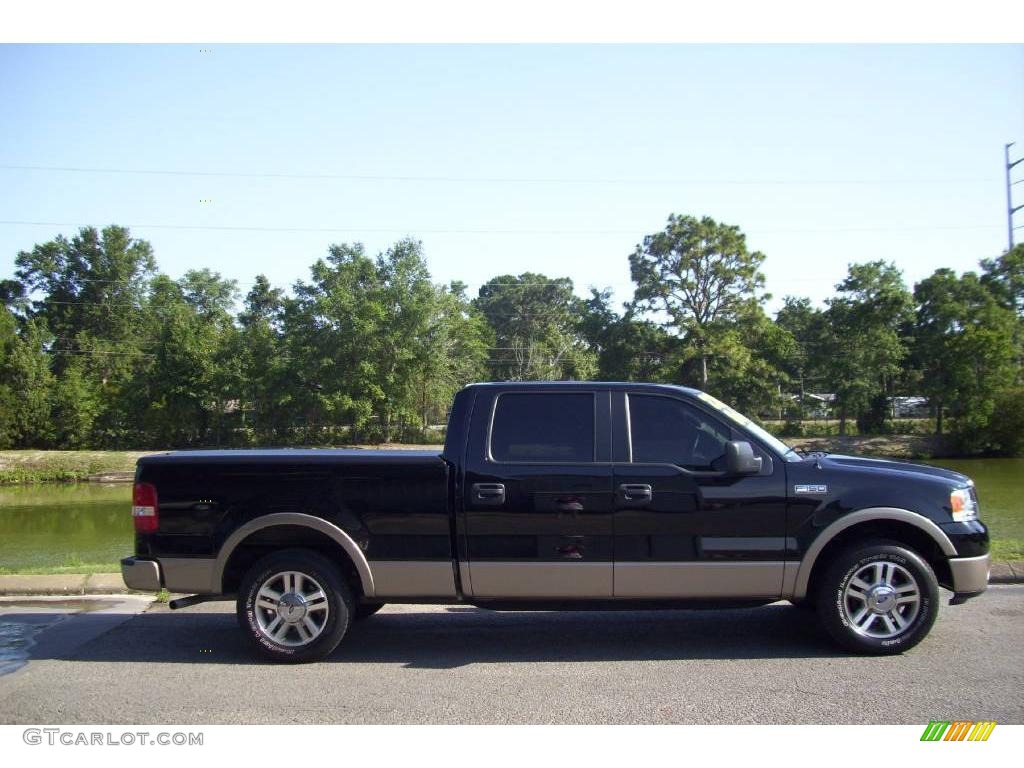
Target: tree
column 187, row 388
column 628, row 348
column 940, row 314
column 700, row 275
column 864, row 342
column 536, row 322
column 965, row 345
column 373, row 340
column 30, row 382
column 258, row 350
column 8, row 403
column 1004, row 277
column 807, row 363
column 750, row 363
column 453, row 353
column 331, row 378
column 92, row 291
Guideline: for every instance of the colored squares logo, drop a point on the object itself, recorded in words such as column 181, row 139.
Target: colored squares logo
column 958, row 730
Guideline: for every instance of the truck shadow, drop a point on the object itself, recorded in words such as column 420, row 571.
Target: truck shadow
column 453, row 637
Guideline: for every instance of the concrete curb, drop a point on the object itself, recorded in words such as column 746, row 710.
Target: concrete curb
column 1003, row 572
column 66, row 584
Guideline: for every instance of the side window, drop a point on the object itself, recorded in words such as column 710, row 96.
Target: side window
column 543, row 426
column 667, row 431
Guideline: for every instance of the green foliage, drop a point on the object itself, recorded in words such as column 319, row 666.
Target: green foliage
column 627, row 348
column 863, row 346
column 97, row 349
column 1004, row 278
column 373, row 345
column 965, row 346
column 700, row 276
column 537, row 329
column 1006, row 429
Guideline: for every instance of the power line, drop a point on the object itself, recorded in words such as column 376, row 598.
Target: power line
column 477, row 179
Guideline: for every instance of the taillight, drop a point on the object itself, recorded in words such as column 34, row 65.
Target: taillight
column 145, row 510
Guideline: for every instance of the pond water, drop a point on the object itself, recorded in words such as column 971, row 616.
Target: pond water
column 81, row 524
column 65, row 524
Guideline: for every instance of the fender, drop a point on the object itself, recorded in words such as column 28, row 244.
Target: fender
column 861, row 516
column 305, row 521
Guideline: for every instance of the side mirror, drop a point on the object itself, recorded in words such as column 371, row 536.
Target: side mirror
column 740, row 459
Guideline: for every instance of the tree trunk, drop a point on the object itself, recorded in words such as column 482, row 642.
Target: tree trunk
column 704, row 371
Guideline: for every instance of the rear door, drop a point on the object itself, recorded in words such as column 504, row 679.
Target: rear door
column 537, row 494
column 683, row 529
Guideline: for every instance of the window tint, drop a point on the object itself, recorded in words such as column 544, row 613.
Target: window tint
column 543, row 427
column 667, row 431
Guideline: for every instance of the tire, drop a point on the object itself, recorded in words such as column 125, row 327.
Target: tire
column 878, row 598
column 366, row 610
column 294, row 606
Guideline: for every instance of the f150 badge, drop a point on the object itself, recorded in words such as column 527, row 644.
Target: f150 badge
column 816, row 489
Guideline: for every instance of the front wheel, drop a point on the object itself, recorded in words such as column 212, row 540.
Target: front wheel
column 879, row 598
column 294, row 605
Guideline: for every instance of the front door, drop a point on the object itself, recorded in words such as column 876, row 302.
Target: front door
column 684, row 529
column 537, row 495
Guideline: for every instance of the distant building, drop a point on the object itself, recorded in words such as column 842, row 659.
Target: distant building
column 909, row 407
column 816, row 405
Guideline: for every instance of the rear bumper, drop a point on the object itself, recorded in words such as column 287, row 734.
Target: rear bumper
column 970, row 574
column 175, row 574
column 143, row 575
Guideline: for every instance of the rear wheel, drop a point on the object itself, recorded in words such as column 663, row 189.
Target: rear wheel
column 878, row 597
column 294, row 606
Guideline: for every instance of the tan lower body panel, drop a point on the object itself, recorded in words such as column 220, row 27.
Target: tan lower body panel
column 189, row 574
column 970, row 574
column 541, row 580
column 699, row 580
column 413, row 579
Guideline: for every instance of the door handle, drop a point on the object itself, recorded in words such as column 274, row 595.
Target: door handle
column 492, row 494
column 636, row 492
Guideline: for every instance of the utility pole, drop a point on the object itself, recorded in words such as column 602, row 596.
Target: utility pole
column 1010, row 210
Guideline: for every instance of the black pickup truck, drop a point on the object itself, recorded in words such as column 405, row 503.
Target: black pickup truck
column 553, row 496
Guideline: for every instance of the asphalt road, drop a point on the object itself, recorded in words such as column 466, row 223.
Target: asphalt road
column 457, row 664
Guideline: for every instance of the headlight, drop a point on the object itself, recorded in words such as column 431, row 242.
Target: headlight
column 963, row 505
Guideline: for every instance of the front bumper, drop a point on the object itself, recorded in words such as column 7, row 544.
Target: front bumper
column 970, row 574
column 143, row 575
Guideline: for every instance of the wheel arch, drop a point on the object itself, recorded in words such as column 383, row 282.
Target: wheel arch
column 902, row 525
column 317, row 531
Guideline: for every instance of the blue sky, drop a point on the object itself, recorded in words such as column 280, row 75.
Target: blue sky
column 516, row 158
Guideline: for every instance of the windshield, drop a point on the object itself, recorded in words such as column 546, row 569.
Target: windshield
column 787, row 453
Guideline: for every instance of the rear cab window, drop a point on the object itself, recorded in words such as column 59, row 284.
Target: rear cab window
column 545, row 427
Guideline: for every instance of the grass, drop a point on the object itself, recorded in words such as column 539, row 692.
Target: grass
column 50, row 570
column 31, row 466
column 1007, row 549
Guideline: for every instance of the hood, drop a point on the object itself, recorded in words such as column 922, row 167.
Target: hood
column 902, row 467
